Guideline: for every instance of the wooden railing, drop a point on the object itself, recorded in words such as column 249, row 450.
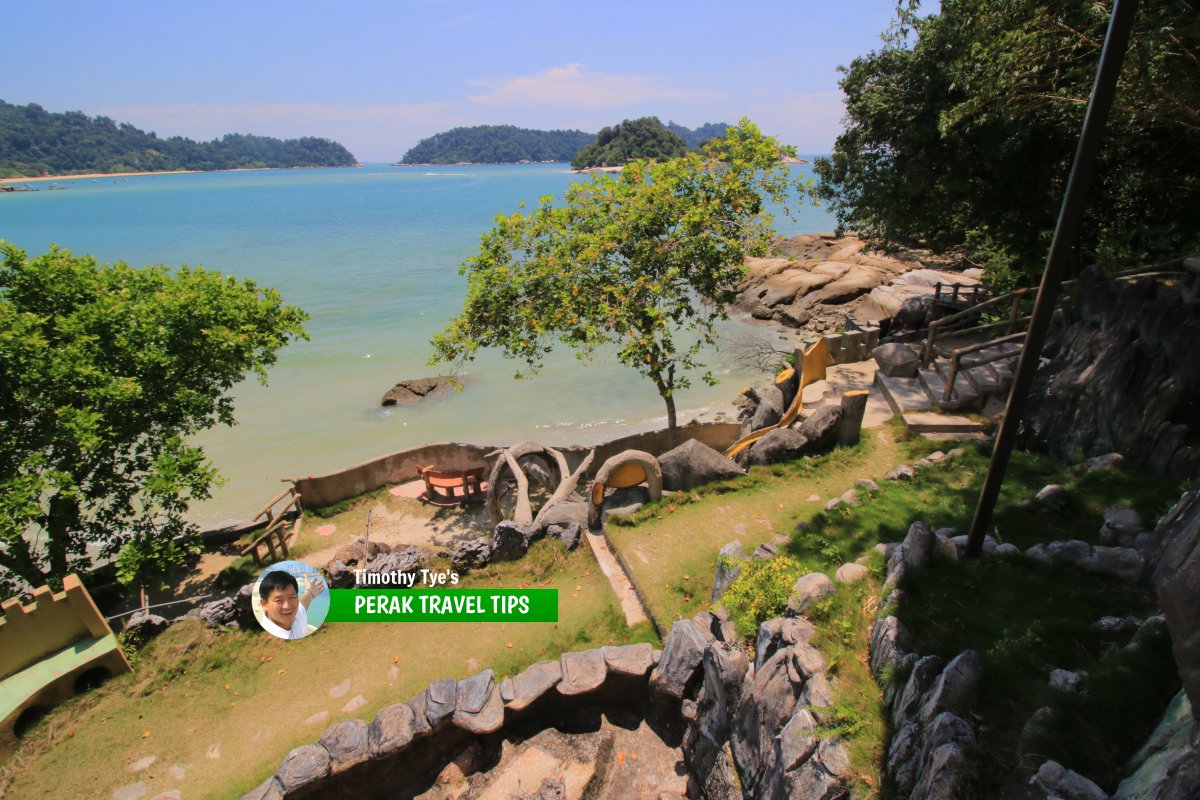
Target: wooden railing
column 274, row 535
column 1187, row 266
column 959, row 293
column 956, row 358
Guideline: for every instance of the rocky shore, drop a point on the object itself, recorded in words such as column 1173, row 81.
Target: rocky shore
column 811, row 282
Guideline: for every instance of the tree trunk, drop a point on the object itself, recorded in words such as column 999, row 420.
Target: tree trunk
column 63, row 513
column 672, row 427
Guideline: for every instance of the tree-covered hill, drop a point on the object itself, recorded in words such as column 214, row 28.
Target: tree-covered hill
column 639, row 138
column 35, row 142
column 497, row 144
column 697, row 137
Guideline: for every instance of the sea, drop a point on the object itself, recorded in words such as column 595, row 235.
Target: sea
column 372, row 253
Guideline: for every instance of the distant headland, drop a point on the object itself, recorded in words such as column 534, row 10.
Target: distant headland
column 44, row 144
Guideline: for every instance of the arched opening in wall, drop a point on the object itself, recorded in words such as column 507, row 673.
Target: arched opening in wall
column 92, row 678
column 28, row 719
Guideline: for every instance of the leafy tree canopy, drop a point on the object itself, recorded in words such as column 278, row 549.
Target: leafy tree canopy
column 497, row 144
column 962, row 129
column 105, row 372
column 647, row 262
column 34, row 141
column 644, row 138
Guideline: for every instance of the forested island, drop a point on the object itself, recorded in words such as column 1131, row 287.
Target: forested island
column 35, row 142
column 497, row 144
column 646, row 137
column 508, row 144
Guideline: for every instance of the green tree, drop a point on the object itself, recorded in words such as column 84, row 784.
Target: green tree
column 106, row 370
column 963, row 127
column 646, row 262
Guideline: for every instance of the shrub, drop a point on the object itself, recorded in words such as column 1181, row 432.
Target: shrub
column 761, row 592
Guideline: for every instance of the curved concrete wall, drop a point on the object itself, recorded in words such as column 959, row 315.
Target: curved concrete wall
column 400, row 753
column 401, row 467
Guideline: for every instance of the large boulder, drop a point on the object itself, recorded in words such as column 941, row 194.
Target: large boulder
column 510, row 541
column 779, row 445
column 767, row 412
column 730, row 561
column 682, row 654
column 896, row 360
column 821, row 427
column 693, row 464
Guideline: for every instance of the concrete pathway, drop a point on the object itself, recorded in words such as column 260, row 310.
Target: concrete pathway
column 621, row 585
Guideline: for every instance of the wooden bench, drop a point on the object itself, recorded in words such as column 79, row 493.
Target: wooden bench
column 452, row 488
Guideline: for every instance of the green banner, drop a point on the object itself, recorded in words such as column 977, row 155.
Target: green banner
column 443, row 605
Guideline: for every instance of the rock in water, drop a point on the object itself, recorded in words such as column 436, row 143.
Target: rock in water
column 411, row 392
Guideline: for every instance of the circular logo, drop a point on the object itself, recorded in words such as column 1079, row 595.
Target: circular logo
column 290, row 599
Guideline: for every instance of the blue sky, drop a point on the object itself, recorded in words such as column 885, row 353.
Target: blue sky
column 379, row 76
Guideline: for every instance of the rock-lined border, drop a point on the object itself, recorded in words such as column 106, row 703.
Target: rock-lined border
column 405, row 741
column 927, row 756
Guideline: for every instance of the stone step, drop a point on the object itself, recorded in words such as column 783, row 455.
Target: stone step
column 963, row 396
column 984, row 379
column 902, row 394
column 929, row 422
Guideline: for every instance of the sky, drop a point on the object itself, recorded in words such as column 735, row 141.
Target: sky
column 380, row 76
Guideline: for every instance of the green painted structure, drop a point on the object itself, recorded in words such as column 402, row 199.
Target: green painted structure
column 50, row 650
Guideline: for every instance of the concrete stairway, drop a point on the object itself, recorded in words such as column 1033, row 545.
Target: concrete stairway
column 976, row 387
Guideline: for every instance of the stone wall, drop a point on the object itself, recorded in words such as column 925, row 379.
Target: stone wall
column 928, row 755
column 744, row 730
column 401, row 467
column 1124, row 375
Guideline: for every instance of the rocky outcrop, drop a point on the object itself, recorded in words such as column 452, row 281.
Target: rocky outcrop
column 1168, row 765
column 1124, row 375
column 411, row 392
column 815, row 279
column 1173, row 553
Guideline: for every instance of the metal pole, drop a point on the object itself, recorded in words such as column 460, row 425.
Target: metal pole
column 1103, row 91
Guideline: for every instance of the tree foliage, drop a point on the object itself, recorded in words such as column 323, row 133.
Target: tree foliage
column 34, row 141
column 106, row 371
column 962, row 129
column 644, row 138
column 646, row 262
column 497, row 144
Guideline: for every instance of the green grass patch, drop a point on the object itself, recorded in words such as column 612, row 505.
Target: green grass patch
column 858, row 715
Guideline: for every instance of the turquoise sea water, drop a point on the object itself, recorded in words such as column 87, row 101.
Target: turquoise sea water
column 372, row 254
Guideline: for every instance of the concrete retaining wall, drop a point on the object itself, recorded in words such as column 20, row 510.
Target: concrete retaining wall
column 401, row 467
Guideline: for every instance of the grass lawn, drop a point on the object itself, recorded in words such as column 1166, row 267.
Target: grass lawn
column 1025, row 619
column 671, row 546
column 225, row 708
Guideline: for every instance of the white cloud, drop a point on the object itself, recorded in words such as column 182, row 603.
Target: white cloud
column 571, row 86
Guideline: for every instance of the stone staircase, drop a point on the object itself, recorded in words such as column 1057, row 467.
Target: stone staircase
column 978, row 388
